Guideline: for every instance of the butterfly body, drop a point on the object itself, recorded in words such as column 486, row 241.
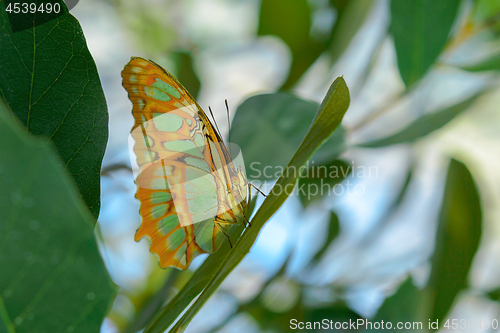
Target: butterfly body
column 190, row 189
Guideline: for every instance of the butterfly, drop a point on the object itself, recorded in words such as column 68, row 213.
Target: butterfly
column 190, row 189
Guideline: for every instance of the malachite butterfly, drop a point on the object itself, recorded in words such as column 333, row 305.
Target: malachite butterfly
column 190, row 189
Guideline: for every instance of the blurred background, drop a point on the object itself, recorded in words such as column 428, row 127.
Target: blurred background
column 337, row 256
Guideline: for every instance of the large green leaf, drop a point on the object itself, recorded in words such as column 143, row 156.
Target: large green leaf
column 457, row 240
column 269, row 128
column 290, row 21
column 420, row 29
column 423, row 125
column 327, row 119
column 52, row 278
column 50, row 82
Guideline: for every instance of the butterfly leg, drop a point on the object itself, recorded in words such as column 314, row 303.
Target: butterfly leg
column 247, row 224
column 223, row 232
column 249, row 195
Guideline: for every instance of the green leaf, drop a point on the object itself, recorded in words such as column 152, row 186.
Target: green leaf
column 328, row 118
column 185, row 72
column 269, row 128
column 290, row 21
column 52, row 278
column 457, row 240
column 293, row 26
column 490, row 64
column 402, row 307
column 50, row 82
column 423, row 125
column 420, row 29
column 320, row 181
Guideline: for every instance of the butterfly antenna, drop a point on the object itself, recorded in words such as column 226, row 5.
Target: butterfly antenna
column 229, row 125
column 215, row 121
column 248, row 224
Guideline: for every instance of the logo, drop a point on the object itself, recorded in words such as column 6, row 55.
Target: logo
column 27, row 14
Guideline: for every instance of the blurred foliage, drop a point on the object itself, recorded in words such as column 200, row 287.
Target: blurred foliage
column 292, row 25
column 282, row 298
column 490, row 64
column 351, row 15
column 50, row 82
column 151, row 24
column 327, row 119
column 424, row 125
column 270, row 127
column 150, row 302
column 292, row 22
column 155, row 30
column 279, row 122
column 186, row 73
column 404, row 306
column 487, row 12
column 275, row 129
column 333, row 233
column 161, row 320
column 457, row 240
column 319, row 177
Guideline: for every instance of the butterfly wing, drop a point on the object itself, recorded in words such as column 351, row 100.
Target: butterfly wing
column 184, row 182
column 169, row 240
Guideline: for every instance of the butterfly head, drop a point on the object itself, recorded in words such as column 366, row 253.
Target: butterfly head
column 235, row 180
